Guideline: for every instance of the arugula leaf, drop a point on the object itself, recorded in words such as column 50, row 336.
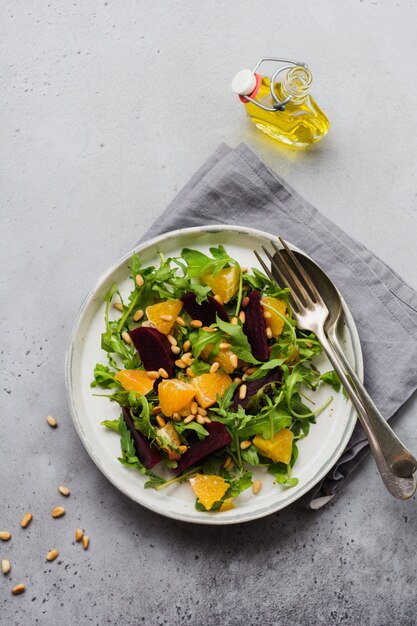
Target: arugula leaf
column 111, row 424
column 266, row 423
column 332, row 379
column 265, row 367
column 199, row 367
column 129, row 456
column 142, row 420
column 200, row 264
column 281, row 473
column 104, row 377
column 250, row 455
column 202, row 338
column 198, row 428
column 239, row 341
column 238, row 484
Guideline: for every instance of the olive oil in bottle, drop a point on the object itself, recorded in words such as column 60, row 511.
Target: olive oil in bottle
column 283, row 109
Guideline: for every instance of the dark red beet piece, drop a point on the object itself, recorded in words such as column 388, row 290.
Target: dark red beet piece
column 253, row 387
column 255, row 327
column 154, row 349
column 206, row 311
column 218, row 438
column 148, row 455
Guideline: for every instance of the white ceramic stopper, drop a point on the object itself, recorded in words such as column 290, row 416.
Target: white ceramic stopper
column 244, row 83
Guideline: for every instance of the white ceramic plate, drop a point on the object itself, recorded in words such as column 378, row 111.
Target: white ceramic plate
column 317, row 452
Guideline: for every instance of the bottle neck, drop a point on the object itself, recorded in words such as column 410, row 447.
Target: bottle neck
column 296, row 84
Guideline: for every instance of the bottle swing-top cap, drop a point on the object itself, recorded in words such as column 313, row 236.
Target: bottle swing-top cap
column 246, row 83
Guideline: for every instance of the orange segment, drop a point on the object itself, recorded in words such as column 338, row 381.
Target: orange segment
column 279, row 448
column 135, row 380
column 174, row 395
column 208, row 489
column 223, row 357
column 227, row 505
column 157, row 312
column 225, row 283
column 207, row 387
column 275, row 322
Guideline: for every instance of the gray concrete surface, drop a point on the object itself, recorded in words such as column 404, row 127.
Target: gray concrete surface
column 107, row 109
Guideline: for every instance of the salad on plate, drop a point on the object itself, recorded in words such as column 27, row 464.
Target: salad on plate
column 212, row 376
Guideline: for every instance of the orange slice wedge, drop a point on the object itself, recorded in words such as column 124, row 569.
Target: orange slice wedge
column 174, row 395
column 135, row 380
column 275, row 322
column 163, row 314
column 207, row 386
column 225, row 283
column 208, row 489
column 279, row 448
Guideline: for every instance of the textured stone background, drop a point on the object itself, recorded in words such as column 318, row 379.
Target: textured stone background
column 107, row 109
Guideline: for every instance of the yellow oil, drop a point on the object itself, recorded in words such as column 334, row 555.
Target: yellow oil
column 302, row 122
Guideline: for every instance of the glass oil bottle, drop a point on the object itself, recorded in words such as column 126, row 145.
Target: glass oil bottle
column 283, row 109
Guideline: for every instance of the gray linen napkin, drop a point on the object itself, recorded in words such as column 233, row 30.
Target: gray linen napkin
column 235, row 187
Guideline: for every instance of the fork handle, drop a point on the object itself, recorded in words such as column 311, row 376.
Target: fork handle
column 400, row 487
column 400, row 460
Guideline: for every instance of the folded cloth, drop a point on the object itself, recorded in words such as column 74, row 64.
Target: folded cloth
column 235, row 187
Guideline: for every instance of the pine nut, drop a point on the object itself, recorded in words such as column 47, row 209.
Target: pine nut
column 267, row 315
column 5, row 566
column 233, row 361
column 139, row 280
column 186, row 359
column 187, row 355
column 156, row 409
column 172, row 340
column 201, row 411
column 244, row 269
column 163, row 373
column 126, row 337
column 52, row 421
column 175, row 349
column 215, row 366
column 244, row 377
column 180, row 321
column 5, row 535
column 257, row 486
column 160, row 421
column 242, row 392
column 138, row 315
column 152, row 374
column 58, row 511
column 242, row 317
column 186, row 346
column 200, row 419
column 118, row 306
column 79, row 534
column 218, row 298
column 224, row 345
column 52, row 554
column 182, row 449
column 194, row 408
column 85, row 541
column 268, row 333
column 189, row 419
column 237, row 380
column 176, row 417
column 250, row 370
column 27, row 518
column 245, row 301
column 196, row 323
column 234, row 321
column 190, row 372
column 245, row 444
column 179, row 363
column 209, row 329
column 147, row 324
column 207, row 420
column 166, row 318
column 18, row 589
column 228, row 463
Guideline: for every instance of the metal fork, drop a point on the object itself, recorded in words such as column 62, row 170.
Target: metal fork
column 310, row 313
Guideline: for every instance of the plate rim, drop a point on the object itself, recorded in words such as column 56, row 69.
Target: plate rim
column 103, row 277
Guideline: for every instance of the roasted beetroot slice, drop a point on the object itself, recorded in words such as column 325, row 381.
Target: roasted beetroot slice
column 253, row 387
column 148, row 455
column 255, row 328
column 206, row 311
column 154, row 349
column 218, row 438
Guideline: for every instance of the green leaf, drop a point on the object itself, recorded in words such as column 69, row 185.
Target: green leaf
column 332, row 379
column 266, row 424
column 238, row 484
column 104, row 377
column 266, row 367
column 129, row 456
column 198, row 428
column 199, row 367
column 111, row 424
column 141, row 417
column 250, row 455
column 238, row 339
column 202, row 338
